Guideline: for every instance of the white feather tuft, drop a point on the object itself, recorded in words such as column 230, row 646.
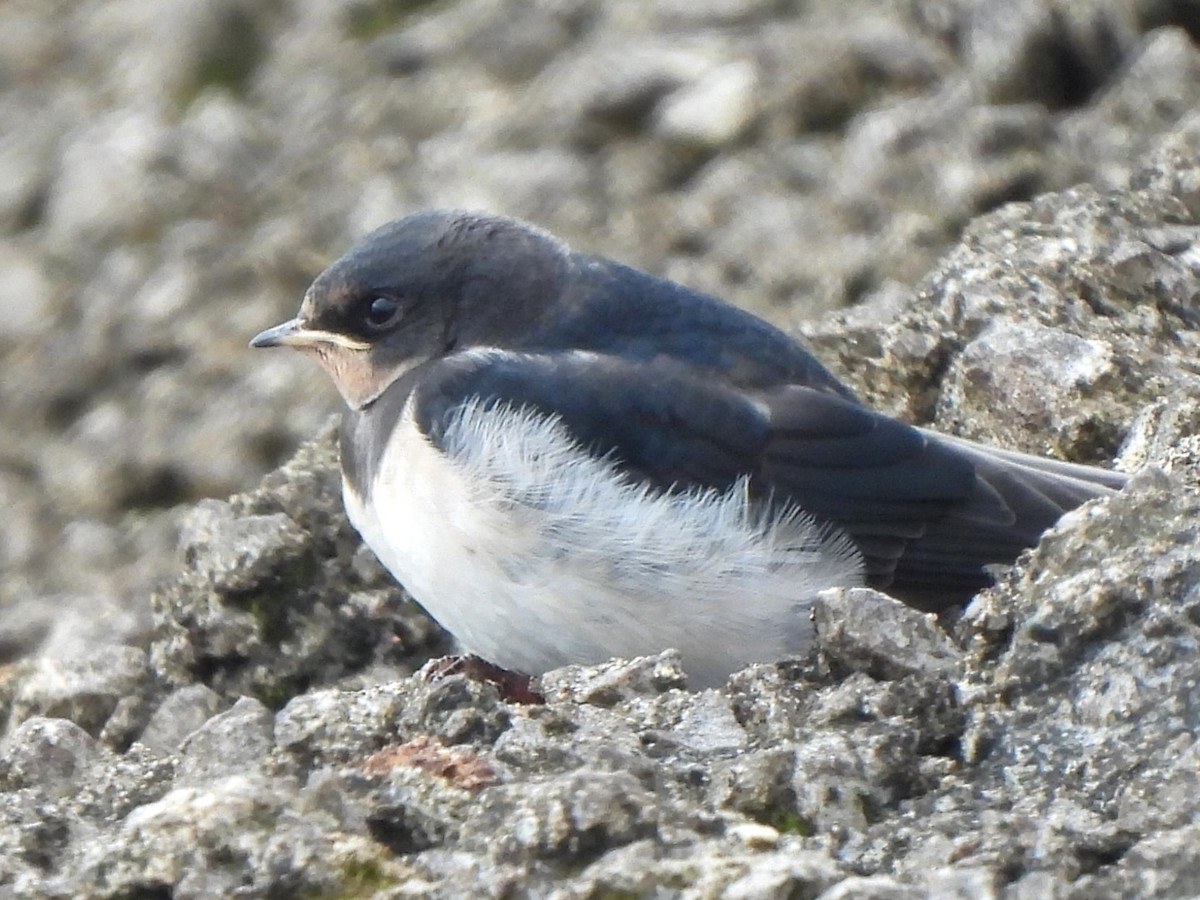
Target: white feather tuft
column 535, row 554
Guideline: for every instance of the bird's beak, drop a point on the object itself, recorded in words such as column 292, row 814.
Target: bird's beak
column 289, row 333
column 293, row 333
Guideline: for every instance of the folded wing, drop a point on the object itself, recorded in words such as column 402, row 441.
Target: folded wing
column 928, row 513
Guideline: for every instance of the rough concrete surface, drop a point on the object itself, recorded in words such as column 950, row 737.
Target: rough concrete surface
column 985, row 216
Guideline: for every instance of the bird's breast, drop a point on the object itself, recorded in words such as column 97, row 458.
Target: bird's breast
column 534, row 553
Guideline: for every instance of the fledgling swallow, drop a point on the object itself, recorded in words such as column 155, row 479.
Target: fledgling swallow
column 564, row 459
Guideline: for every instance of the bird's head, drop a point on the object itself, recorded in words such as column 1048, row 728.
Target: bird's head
column 420, row 288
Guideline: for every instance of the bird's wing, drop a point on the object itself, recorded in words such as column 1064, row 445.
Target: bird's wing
column 613, row 309
column 881, row 481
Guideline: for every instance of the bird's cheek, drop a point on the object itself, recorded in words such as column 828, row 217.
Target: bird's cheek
column 353, row 375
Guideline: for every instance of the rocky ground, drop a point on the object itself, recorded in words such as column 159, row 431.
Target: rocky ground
column 984, row 216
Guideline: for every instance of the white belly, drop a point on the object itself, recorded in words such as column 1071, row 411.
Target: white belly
column 534, row 554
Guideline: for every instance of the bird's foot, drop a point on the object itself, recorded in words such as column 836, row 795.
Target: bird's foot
column 514, row 687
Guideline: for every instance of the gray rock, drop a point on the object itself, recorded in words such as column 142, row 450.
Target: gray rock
column 710, row 727
column 235, row 742
column 565, row 817
column 106, row 185
column 26, row 295
column 197, row 842
column 716, row 110
column 52, row 755
column 1074, row 685
column 868, row 887
column 87, row 691
column 178, row 714
column 728, row 870
column 264, row 607
column 870, row 632
column 24, row 624
column 1089, row 265
column 617, row 681
column 1157, row 89
column 614, row 86
column 321, row 728
column 1042, row 377
column 234, row 553
column 1056, row 53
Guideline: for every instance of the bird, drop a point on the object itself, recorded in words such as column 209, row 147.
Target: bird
column 564, row 459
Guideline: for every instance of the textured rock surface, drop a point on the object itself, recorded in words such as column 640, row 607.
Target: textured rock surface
column 250, row 725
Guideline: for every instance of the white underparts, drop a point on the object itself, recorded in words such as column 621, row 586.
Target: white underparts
column 535, row 554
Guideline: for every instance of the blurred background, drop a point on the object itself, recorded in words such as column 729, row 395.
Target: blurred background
column 172, row 175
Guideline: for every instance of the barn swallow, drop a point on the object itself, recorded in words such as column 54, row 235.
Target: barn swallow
column 564, row 459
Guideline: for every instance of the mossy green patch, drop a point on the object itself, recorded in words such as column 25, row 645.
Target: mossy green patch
column 363, row 878
column 788, row 821
column 372, row 18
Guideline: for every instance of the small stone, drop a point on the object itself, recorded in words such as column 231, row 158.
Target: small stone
column 85, row 690
column 53, row 755
column 26, row 295
column 237, row 740
column 611, row 682
column 1042, row 377
column 177, row 716
column 709, row 726
column 867, row 631
column 235, row 553
column 868, row 887
column 755, row 835
column 458, row 767
column 714, row 111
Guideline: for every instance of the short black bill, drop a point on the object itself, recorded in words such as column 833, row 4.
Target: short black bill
column 288, row 333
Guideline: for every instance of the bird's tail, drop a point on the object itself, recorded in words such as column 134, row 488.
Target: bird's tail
column 1017, row 497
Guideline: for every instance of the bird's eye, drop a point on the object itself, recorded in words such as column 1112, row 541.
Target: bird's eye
column 381, row 312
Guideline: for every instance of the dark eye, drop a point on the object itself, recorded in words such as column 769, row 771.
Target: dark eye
column 380, row 312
